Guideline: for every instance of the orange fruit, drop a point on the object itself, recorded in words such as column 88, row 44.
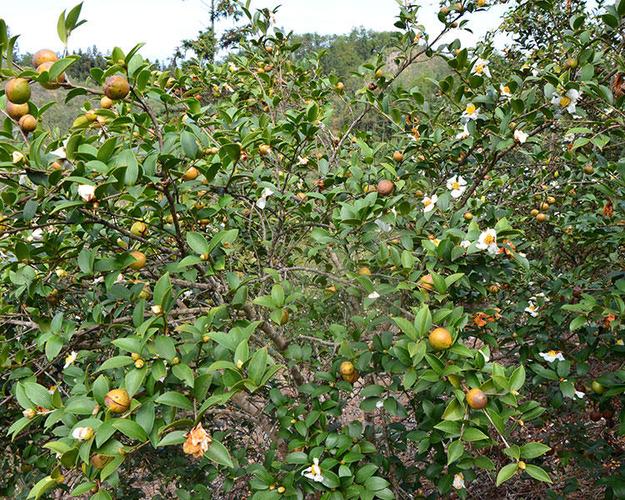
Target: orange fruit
column 16, row 111
column 440, row 339
column 44, row 56
column 476, row 399
column 347, row 369
column 398, row 156
column 17, row 90
column 106, row 102
column 28, row 123
column 50, row 84
column 117, row 400
column 140, row 260
column 191, row 174
column 116, row 87
column 426, row 282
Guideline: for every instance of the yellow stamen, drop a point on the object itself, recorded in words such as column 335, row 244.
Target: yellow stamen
column 470, row 109
column 565, row 101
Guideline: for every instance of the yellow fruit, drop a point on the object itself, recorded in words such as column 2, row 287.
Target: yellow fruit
column 28, row 123
column 351, row 378
column 476, row 399
column 99, row 461
column 340, row 86
column 364, row 271
column 139, row 364
column 426, row 282
column 50, row 84
column 541, row 217
column 17, row 90
column 551, row 200
column 139, row 228
column 534, row 212
column 588, row 169
column 264, row 149
column 117, row 400
column 440, row 339
column 398, row 156
column 116, row 87
column 135, row 356
column 140, row 260
column 44, row 56
column 16, row 111
column 544, row 206
column 347, row 368
column 106, row 102
column 191, row 174
column 522, row 465
column 571, row 63
column 91, row 116
column 379, row 73
column 385, row 187
column 468, row 216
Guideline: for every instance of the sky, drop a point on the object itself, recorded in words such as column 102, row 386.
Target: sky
column 162, row 24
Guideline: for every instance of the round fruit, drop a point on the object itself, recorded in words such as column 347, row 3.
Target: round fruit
column 347, row 368
column 16, row 111
column 385, row 187
column 398, row 156
column 28, row 123
column 534, row 212
column 476, row 399
column 440, row 339
column 468, row 216
column 588, row 169
column 340, row 86
column 99, row 461
column 17, row 90
column 544, row 206
column 139, row 228
column 116, row 87
column 541, row 217
column 571, row 62
column 50, row 84
column 351, row 378
column 140, row 260
column 364, row 271
column 264, row 149
column 426, row 282
column 551, row 200
column 597, row 387
column 44, row 56
column 191, row 174
column 106, row 102
column 117, row 400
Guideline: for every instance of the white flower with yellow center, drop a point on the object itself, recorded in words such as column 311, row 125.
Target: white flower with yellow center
column 82, row 433
column 551, row 356
column 520, row 136
column 488, row 241
column 457, row 185
column 458, row 481
column 429, row 203
column 567, row 101
column 313, row 472
column 471, row 112
column 532, row 309
column 504, row 91
column 70, row 359
column 262, row 201
column 480, row 67
column 86, row 192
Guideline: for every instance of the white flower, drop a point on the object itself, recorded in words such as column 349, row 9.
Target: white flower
column 429, row 203
column 86, row 192
column 532, row 309
column 504, row 91
column 37, row 235
column 69, row 360
column 470, row 113
column 384, row 227
column 580, row 394
column 458, row 481
column 551, row 356
column 82, row 433
column 373, row 295
column 379, row 404
column 457, row 185
column 313, row 472
column 302, row 160
column 17, row 157
column 488, row 241
column 520, row 136
column 465, row 243
column 262, row 201
column 567, row 101
column 480, row 67
column 461, row 136
column 120, row 278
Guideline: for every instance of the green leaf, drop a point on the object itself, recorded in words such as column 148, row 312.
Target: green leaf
column 257, row 365
column 533, row 450
column 172, row 438
column 174, row 399
column 197, row 243
column 517, row 379
column 218, row 453
column 423, row 320
column 42, row 487
column 471, row 434
column 454, row 451
column 407, row 327
column 538, row 473
column 189, row 145
column 506, row 472
column 130, row 428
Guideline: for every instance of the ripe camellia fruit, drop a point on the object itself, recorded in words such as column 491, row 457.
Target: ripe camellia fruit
column 106, row 102
column 16, row 111
column 347, row 369
column 364, row 271
column 534, row 212
column 340, row 86
column 398, row 156
column 588, row 169
column 17, row 90
column 426, row 282
column 385, row 187
column 264, row 149
column 476, row 399
column 191, row 174
column 541, row 217
column 99, row 461
column 44, row 56
column 28, row 123
column 440, row 339
column 468, row 216
column 139, row 228
column 50, row 84
column 117, row 400
column 140, row 260
column 116, row 87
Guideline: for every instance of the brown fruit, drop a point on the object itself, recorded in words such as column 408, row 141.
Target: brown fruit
column 28, row 123
column 347, row 368
column 595, row 415
column 99, row 461
column 17, row 90
column 106, row 102
column 426, row 282
column 117, row 400
column 398, row 156
column 44, row 56
column 116, row 87
column 264, row 149
column 50, row 84
column 385, row 187
column 476, row 399
column 588, row 169
column 191, row 174
column 541, row 217
column 140, row 260
column 16, row 111
column 440, row 339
